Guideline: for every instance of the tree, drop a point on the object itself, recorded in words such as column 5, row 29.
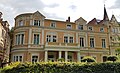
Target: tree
column 112, row 58
column 88, row 59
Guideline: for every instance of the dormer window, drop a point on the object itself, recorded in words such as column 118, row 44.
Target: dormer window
column 90, row 28
column 69, row 26
column 80, row 27
column 53, row 24
column 101, row 29
column 20, row 23
column 36, row 22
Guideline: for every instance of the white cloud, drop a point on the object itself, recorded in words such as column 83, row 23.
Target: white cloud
column 59, row 9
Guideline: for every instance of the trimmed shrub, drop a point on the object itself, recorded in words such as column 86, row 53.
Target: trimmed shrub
column 112, row 58
column 62, row 67
column 88, row 59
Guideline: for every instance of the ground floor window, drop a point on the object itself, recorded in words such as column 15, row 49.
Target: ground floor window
column 34, row 58
column 51, row 58
column 104, row 58
column 18, row 58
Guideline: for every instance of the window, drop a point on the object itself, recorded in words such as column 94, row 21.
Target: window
column 69, row 26
column 51, row 38
column 81, row 42
column 101, row 29
column 48, row 38
column 53, row 24
column 92, row 42
column 65, row 39
column 20, row 39
column 36, row 38
column 70, row 39
column 3, row 33
column 90, row 28
column 34, row 58
column 18, row 58
column 20, row 23
column 104, row 58
column 80, row 27
column 103, row 43
column 54, row 38
column 36, row 22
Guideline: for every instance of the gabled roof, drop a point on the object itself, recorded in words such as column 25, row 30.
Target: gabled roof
column 81, row 19
column 37, row 12
column 92, row 22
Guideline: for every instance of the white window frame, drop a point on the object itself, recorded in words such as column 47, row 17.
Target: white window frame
column 35, row 54
column 83, row 42
column 68, row 38
column 17, row 55
column 92, row 43
column 53, row 24
column 38, row 22
column 16, row 39
column 101, row 29
column 39, row 38
column 51, row 38
column 103, row 43
column 20, row 23
column 80, row 27
column 90, row 28
column 69, row 27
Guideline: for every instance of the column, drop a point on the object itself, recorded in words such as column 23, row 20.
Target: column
column 29, row 38
column 66, row 56
column 46, row 56
column 59, row 54
column 78, row 56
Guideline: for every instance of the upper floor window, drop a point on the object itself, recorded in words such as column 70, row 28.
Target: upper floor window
column 103, row 43
column 81, row 42
column 36, row 22
column 80, row 27
column 3, row 33
column 101, row 29
column 69, row 26
column 92, row 45
column 18, row 58
column 51, row 38
column 68, row 39
column 53, row 24
column 20, row 39
column 20, row 23
column 90, row 28
column 36, row 39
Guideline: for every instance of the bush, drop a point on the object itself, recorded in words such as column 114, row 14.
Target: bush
column 112, row 58
column 88, row 59
column 62, row 67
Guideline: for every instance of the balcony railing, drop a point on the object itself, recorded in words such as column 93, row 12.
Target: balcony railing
column 62, row 44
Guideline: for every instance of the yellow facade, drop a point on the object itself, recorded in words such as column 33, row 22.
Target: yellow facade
column 39, row 39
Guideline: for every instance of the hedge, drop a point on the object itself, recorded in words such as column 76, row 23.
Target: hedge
column 62, row 67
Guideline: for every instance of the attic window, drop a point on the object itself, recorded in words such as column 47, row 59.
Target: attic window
column 90, row 28
column 80, row 27
column 36, row 22
column 101, row 29
column 20, row 23
column 69, row 26
column 53, row 24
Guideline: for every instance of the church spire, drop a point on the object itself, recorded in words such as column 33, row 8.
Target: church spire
column 105, row 14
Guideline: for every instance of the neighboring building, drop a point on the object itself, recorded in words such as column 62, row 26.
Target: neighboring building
column 114, row 34
column 4, row 41
column 36, row 38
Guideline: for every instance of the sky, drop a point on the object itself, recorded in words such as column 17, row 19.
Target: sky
column 60, row 9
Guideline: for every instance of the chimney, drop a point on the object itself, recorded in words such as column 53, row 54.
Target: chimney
column 69, row 19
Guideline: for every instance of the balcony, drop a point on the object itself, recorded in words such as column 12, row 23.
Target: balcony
column 56, row 44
